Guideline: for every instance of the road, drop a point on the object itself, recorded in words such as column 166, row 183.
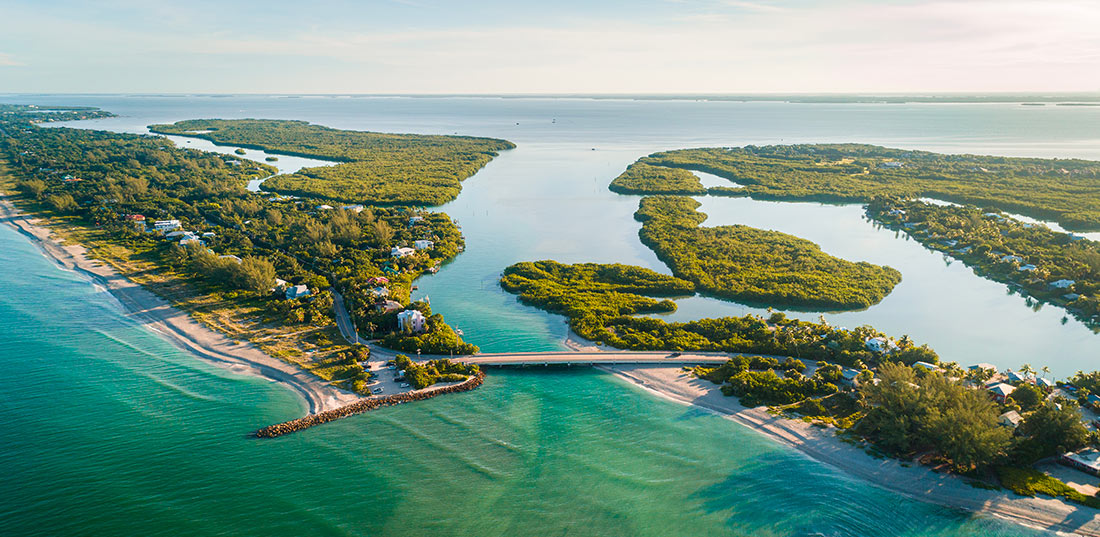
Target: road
column 380, row 355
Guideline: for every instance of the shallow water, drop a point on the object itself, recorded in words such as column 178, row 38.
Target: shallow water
column 110, row 430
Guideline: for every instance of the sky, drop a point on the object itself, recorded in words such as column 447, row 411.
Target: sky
column 549, row 46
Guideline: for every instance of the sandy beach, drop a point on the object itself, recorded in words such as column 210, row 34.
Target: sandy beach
column 174, row 324
column 821, row 444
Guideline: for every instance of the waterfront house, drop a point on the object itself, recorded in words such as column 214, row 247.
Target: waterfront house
column 423, row 244
column 1094, row 400
column 379, row 292
column 983, row 367
column 401, row 252
column 1013, row 376
column 926, row 366
column 174, row 234
column 414, row 220
column 879, row 344
column 135, row 217
column 891, row 164
column 356, row 208
column 1011, row 259
column 896, row 212
column 1010, row 419
column 324, row 207
column 209, row 235
column 1071, row 296
column 378, row 280
column 1087, row 460
column 411, row 320
column 1001, row 391
column 1045, row 383
column 297, row 291
column 1062, row 284
column 1028, row 268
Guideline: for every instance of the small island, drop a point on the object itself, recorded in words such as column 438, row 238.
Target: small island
column 754, row 265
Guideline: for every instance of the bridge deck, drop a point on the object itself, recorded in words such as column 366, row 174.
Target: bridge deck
column 586, row 358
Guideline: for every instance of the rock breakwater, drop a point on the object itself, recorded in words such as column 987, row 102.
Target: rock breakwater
column 365, row 405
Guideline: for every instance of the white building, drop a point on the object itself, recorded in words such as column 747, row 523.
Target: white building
column 1010, row 419
column 414, row 220
column 401, row 252
column 379, row 292
column 1086, row 460
column 411, row 320
column 926, row 366
column 297, row 291
column 166, row 225
column 356, row 208
column 423, row 245
column 1062, row 284
column 1011, row 259
column 1028, row 268
column 879, row 344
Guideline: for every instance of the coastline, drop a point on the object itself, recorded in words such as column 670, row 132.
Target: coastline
column 173, row 324
column 821, row 444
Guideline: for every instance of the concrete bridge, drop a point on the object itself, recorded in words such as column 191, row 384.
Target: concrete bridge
column 591, row 358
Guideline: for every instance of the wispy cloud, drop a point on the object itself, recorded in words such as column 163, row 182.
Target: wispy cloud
column 713, row 46
column 7, row 60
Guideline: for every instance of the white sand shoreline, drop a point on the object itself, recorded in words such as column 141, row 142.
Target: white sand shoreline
column 173, row 324
column 821, row 444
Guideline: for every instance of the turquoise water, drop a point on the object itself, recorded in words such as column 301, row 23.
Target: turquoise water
column 113, row 431
column 109, row 430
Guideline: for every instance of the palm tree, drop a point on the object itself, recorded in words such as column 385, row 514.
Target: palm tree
column 1026, row 369
column 1046, row 371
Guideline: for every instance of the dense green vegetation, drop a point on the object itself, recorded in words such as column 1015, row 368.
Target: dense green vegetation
column 754, row 380
column 377, row 168
column 1065, row 190
column 422, row 375
column 118, row 184
column 912, row 413
column 749, row 264
column 1029, row 257
column 642, row 178
column 592, row 289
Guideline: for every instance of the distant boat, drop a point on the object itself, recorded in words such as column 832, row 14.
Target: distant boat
column 459, row 331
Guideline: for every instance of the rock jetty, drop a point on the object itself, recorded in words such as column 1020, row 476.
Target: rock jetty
column 365, row 405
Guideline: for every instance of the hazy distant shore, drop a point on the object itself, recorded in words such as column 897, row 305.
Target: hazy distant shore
column 175, row 325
